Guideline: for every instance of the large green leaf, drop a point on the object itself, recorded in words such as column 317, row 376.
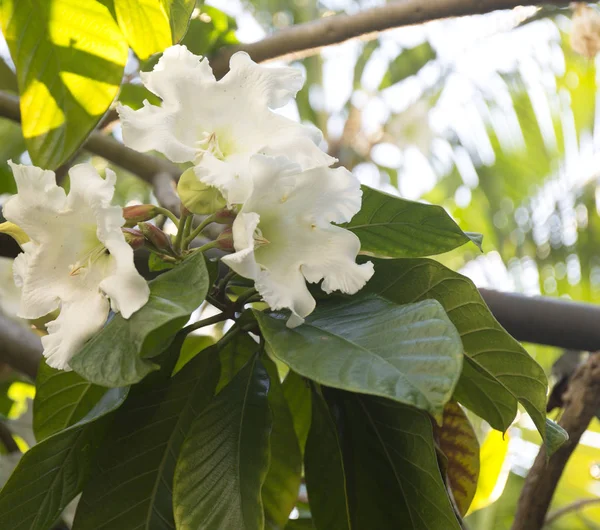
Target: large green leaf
column 114, row 356
column 8, row 79
column 54, row 471
column 209, row 31
column 499, row 370
column 390, row 472
column 409, row 353
column 225, row 458
column 145, row 24
column 11, row 148
column 68, row 73
column 133, row 485
column 391, row 227
column 408, row 63
column 298, row 396
column 325, row 471
column 61, row 400
column 281, row 486
column 180, row 12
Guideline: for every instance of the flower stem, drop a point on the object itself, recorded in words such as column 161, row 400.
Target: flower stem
column 196, row 232
column 207, row 246
column 180, row 230
column 169, row 214
column 244, row 297
column 206, row 322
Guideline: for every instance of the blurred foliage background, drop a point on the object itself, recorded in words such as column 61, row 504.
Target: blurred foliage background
column 492, row 116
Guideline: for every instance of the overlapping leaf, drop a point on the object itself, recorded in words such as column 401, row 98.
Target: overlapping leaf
column 409, row 353
column 61, row 400
column 391, row 227
column 133, row 485
column 54, row 471
column 374, row 467
column 228, row 440
column 114, row 356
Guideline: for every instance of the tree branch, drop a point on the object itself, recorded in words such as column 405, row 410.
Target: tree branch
column 582, row 400
column 573, row 507
column 336, row 29
column 7, row 440
column 145, row 166
column 19, row 348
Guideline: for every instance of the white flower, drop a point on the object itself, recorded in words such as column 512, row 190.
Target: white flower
column 10, row 294
column 219, row 125
column 77, row 258
column 283, row 235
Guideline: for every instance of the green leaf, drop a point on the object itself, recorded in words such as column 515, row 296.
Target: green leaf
column 300, row 524
column 390, row 473
column 68, row 73
column 180, row 12
column 192, row 346
column 391, row 227
column 8, row 79
column 209, row 31
column 409, row 353
column 11, row 148
column 61, row 400
column 145, row 24
column 234, row 356
column 556, row 436
column 225, row 458
column 408, row 63
column 282, row 484
column 132, row 487
column 133, row 96
column 498, row 370
column 54, row 471
column 114, row 356
column 325, row 471
column 197, row 197
column 298, row 396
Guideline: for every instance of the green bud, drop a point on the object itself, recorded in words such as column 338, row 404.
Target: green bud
column 139, row 213
column 134, row 238
column 197, row 197
column 157, row 237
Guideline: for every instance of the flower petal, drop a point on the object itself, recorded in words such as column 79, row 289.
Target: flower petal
column 242, row 261
column 275, row 87
column 127, row 290
column 78, row 321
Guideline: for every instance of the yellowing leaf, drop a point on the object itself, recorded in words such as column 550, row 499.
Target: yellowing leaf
column 69, row 57
column 458, row 442
column 493, row 472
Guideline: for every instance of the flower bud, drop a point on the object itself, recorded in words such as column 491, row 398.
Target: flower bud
column 224, row 216
column 157, row 237
column 138, row 213
column 134, row 238
column 225, row 240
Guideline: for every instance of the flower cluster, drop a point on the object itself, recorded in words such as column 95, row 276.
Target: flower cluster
column 280, row 191
column 270, row 170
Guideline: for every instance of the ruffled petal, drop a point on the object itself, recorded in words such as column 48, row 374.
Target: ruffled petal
column 242, row 261
column 126, row 288
column 79, row 320
column 37, row 202
column 166, row 130
column 274, row 87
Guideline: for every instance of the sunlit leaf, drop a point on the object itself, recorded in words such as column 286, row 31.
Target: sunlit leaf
column 409, row 353
column 408, row 63
column 210, row 30
column 68, row 74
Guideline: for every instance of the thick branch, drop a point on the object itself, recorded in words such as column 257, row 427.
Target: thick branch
column 582, row 400
column 145, row 166
column 19, row 348
column 340, row 28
